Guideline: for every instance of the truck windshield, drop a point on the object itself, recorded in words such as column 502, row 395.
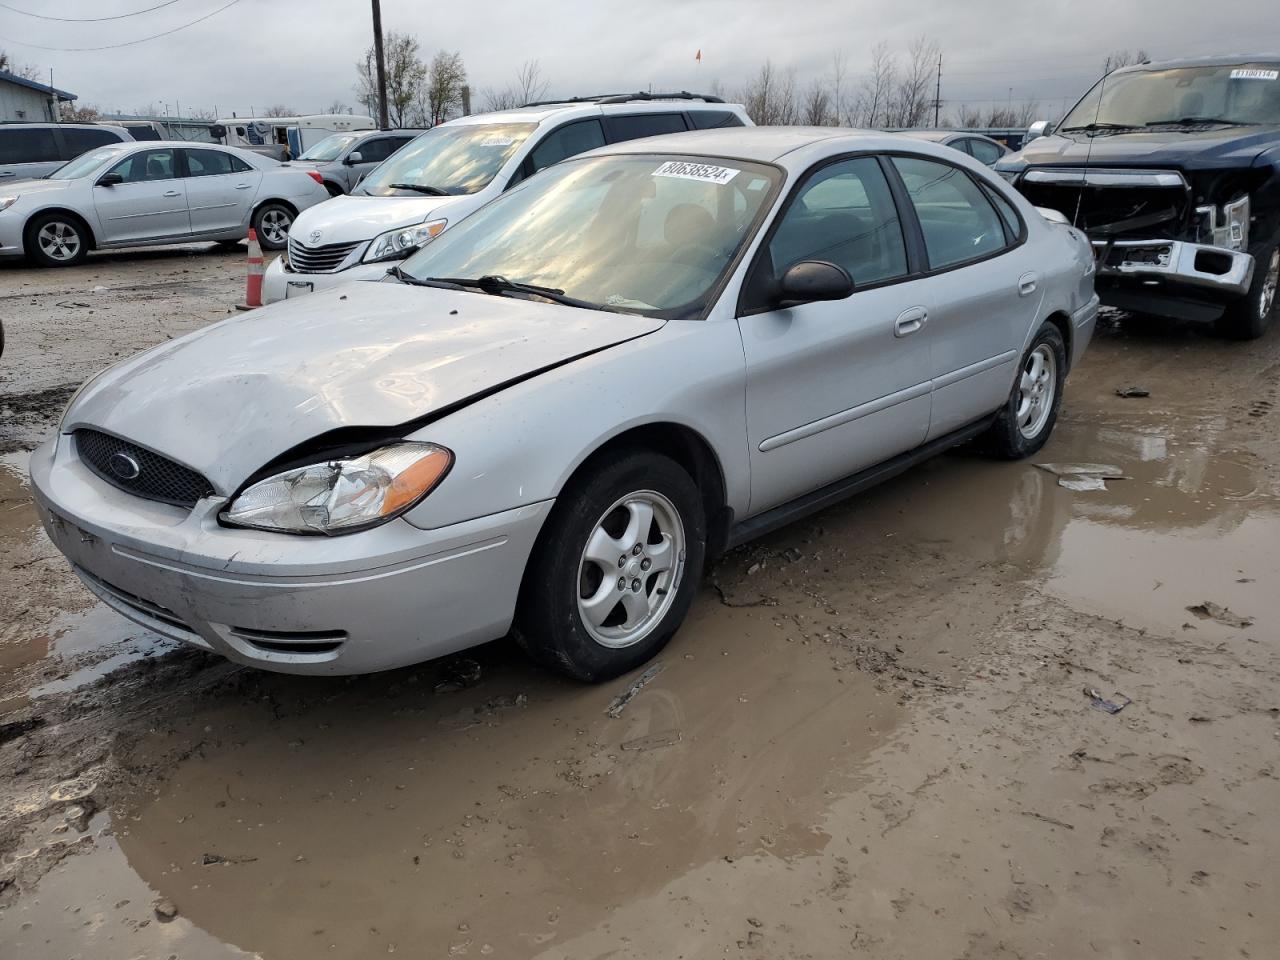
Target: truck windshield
column 329, row 148
column 1243, row 93
column 447, row 160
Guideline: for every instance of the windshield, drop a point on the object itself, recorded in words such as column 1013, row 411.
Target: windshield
column 329, row 148
column 645, row 234
column 85, row 164
column 1239, row 93
column 450, row 159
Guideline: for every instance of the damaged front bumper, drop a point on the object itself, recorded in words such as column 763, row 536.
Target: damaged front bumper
column 1161, row 263
column 386, row 597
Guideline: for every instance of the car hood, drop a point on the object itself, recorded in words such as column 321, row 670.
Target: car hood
column 1214, row 147
column 352, row 219
column 30, row 188
column 230, row 398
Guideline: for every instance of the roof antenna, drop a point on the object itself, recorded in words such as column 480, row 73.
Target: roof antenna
column 1097, row 114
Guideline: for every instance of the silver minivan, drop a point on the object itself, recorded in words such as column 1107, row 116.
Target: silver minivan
column 344, row 158
column 29, row 151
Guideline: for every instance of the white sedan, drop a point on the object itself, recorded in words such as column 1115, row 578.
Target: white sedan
column 134, row 194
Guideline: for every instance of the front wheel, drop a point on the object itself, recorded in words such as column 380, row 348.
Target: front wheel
column 272, row 222
column 615, row 569
column 1249, row 317
column 57, row 240
column 1028, row 416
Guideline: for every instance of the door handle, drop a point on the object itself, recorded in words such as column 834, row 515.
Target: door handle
column 172, row 193
column 1027, row 284
column 243, row 186
column 7, row 173
column 909, row 321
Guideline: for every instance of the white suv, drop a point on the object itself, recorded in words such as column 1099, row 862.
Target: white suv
column 454, row 169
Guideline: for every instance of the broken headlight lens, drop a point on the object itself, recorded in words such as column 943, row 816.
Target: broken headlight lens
column 342, row 496
column 398, row 244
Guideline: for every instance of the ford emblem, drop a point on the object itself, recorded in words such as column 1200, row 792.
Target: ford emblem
column 124, row 466
column 315, row 236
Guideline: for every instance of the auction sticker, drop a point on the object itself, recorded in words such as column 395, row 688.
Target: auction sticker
column 1245, row 74
column 684, row 170
column 497, row 141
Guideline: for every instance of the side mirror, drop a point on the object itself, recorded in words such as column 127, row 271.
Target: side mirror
column 110, row 180
column 1041, row 128
column 353, row 158
column 811, row 280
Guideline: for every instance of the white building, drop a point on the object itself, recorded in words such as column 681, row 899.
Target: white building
column 23, row 99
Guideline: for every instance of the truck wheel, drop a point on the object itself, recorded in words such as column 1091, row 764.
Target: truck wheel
column 615, row 568
column 1249, row 317
column 1027, row 418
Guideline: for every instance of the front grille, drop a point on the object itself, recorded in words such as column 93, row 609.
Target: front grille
column 326, row 259
column 156, row 477
column 1138, row 210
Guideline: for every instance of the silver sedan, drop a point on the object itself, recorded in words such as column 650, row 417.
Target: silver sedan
column 152, row 192
column 548, row 420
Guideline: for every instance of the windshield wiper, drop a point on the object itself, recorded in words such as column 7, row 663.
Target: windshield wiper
column 408, row 278
column 1097, row 126
column 420, row 188
column 1192, row 121
column 497, row 286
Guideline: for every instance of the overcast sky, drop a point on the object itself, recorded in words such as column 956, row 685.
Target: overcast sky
column 301, row 52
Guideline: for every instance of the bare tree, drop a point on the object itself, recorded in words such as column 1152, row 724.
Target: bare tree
column 78, row 112
column 872, row 107
column 279, row 110
column 529, row 85
column 1122, row 58
column 839, row 75
column 815, row 107
column 770, row 98
column 441, row 91
column 337, row 106
column 24, row 70
column 910, row 102
column 201, row 113
column 405, row 76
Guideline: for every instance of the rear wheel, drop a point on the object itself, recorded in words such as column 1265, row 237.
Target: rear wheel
column 1028, row 416
column 1249, row 317
column 272, row 222
column 57, row 240
column 616, row 568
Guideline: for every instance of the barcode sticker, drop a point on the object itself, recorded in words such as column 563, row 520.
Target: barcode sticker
column 1250, row 74
column 707, row 173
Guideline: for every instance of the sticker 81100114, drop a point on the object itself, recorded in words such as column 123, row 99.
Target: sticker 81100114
column 686, row 170
column 1253, row 74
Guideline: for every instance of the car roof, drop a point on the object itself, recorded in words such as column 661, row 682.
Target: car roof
column 538, row 112
column 937, row 136
column 1221, row 60
column 772, row 144
column 62, row 125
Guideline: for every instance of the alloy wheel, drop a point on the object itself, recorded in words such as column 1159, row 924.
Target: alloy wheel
column 1036, row 391
column 631, row 568
column 59, row 240
column 275, row 225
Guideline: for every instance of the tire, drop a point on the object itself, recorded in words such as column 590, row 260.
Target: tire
column 271, row 222
column 597, row 639
column 56, row 240
column 1020, row 431
column 1248, row 317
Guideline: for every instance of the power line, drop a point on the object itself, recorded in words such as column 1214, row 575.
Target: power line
column 119, row 16
column 127, row 43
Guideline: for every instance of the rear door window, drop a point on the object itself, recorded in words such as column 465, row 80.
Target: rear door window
column 708, row 119
column 78, row 140
column 567, row 141
column 208, row 163
column 33, row 145
column 958, row 221
column 643, row 125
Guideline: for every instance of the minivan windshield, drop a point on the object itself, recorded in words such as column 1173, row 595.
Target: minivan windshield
column 635, row 233
column 451, row 159
column 86, row 163
column 330, row 148
column 1243, row 93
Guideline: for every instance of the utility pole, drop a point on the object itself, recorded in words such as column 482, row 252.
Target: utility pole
column 937, row 94
column 383, row 120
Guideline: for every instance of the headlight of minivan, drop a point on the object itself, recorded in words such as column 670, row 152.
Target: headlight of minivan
column 398, row 244
column 343, row 495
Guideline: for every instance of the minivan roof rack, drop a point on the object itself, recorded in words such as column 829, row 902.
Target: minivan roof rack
column 629, row 98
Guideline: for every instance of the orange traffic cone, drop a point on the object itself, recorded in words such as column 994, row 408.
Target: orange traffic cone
column 253, row 281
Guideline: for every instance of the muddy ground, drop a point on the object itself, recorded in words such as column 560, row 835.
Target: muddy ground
column 872, row 738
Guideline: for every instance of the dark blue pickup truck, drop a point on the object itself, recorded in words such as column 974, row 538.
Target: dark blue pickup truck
column 1173, row 170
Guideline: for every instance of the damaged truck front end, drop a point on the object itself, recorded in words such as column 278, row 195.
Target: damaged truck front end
column 1173, row 172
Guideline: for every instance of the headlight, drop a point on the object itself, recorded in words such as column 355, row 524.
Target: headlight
column 398, row 244
column 7, row 202
column 342, row 496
